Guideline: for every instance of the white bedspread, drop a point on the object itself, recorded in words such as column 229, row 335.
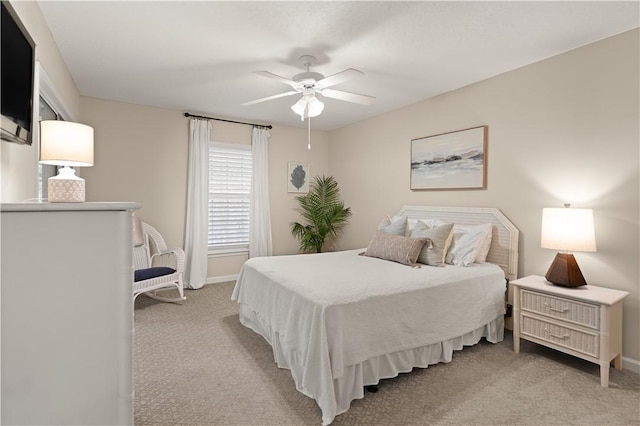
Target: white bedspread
column 331, row 311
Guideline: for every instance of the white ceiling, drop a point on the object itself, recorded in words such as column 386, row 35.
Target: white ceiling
column 201, row 56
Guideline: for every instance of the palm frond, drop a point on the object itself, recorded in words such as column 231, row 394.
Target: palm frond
column 324, row 213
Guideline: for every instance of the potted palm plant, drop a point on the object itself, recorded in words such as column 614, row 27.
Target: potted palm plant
column 324, row 213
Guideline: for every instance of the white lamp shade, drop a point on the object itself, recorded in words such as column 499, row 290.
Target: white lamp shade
column 63, row 143
column 308, row 106
column 568, row 229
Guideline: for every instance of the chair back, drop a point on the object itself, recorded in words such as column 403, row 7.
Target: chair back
column 151, row 242
column 141, row 254
column 141, row 257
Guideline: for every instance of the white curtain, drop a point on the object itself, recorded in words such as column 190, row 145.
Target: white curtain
column 196, row 244
column 260, row 216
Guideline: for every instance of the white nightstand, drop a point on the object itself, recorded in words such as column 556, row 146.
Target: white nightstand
column 582, row 321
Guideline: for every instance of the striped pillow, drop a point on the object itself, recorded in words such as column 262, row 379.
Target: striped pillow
column 438, row 240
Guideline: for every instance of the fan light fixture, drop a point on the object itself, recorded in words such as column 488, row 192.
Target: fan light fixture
column 308, row 106
column 309, row 84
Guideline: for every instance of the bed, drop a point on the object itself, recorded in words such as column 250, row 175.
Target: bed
column 341, row 321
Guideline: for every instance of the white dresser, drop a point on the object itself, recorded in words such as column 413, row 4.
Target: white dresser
column 67, row 314
column 582, row 321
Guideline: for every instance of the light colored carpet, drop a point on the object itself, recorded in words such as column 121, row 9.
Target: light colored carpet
column 195, row 364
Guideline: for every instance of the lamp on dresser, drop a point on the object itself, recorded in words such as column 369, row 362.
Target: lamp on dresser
column 67, row 144
column 567, row 229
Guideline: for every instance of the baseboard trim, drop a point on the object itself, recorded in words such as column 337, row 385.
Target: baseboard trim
column 221, row 279
column 631, row 364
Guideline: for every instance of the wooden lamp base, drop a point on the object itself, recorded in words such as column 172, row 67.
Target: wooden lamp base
column 564, row 271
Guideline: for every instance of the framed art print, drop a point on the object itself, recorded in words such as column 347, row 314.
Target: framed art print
column 298, row 178
column 454, row 160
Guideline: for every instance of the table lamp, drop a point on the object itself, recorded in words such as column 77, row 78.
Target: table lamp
column 567, row 230
column 63, row 143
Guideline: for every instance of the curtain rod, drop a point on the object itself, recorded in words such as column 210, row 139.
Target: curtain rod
column 265, row 126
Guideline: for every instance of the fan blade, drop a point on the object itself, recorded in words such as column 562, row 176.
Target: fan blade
column 338, row 78
column 277, row 77
column 268, row 98
column 347, row 96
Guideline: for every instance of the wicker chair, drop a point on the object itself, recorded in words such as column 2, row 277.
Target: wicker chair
column 156, row 267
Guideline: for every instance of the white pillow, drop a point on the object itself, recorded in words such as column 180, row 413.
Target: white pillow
column 470, row 244
column 481, row 257
column 411, row 223
column 396, row 225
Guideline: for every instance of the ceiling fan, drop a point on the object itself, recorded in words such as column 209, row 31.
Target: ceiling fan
column 310, row 84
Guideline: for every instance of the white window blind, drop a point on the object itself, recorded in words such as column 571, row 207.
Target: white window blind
column 230, row 168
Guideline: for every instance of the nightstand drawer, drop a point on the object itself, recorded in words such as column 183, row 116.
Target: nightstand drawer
column 577, row 340
column 583, row 314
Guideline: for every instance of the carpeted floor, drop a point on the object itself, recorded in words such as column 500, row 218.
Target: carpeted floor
column 195, row 364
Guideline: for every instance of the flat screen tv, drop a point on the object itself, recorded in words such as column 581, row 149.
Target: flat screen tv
column 17, row 65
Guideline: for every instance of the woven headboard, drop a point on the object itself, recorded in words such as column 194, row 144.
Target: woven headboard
column 504, row 242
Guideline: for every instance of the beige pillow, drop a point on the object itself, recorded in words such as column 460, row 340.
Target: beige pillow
column 396, row 248
column 438, row 239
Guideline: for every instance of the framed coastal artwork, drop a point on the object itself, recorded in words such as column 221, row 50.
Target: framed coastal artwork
column 298, row 178
column 454, row 160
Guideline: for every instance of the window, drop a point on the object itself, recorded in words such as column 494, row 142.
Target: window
column 230, row 169
column 50, row 107
column 45, row 171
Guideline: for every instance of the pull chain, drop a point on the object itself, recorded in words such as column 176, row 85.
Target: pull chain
column 309, row 133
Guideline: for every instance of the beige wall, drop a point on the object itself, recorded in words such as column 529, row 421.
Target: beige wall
column 18, row 169
column 141, row 155
column 562, row 130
